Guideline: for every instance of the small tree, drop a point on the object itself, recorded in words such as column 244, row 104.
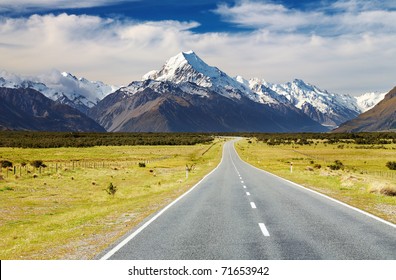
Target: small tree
column 391, row 165
column 337, row 165
column 190, row 168
column 37, row 163
column 111, row 189
column 6, row 163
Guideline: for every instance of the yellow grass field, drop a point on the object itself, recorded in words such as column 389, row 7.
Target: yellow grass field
column 365, row 182
column 63, row 211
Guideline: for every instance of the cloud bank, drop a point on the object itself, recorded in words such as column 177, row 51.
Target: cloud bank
column 346, row 47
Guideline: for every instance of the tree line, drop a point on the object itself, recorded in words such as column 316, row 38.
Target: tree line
column 24, row 139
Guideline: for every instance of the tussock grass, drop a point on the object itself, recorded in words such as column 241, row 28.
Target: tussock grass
column 389, row 190
column 65, row 213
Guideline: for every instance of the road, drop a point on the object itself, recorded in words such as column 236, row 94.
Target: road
column 241, row 212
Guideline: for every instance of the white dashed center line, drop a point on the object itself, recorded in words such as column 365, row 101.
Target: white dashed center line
column 244, row 187
column 264, row 229
column 253, row 205
column 247, row 193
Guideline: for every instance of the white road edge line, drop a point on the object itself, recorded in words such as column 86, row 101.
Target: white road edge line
column 264, row 229
column 253, row 205
column 320, row 194
column 132, row 235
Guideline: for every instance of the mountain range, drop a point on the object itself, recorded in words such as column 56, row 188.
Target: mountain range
column 187, row 94
column 28, row 109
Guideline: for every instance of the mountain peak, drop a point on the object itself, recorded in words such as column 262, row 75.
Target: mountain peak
column 184, row 67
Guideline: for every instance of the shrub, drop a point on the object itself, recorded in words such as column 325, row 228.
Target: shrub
column 317, row 166
column 37, row 163
column 337, row 165
column 111, row 189
column 6, row 163
column 389, row 191
column 142, row 164
column 391, row 165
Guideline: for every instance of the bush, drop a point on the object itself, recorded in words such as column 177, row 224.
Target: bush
column 391, row 165
column 6, row 163
column 111, row 189
column 317, row 166
column 337, row 165
column 37, row 163
column 142, row 164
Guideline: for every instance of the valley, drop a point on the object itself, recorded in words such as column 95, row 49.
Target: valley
column 67, row 209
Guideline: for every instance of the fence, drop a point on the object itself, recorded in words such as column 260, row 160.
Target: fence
column 55, row 167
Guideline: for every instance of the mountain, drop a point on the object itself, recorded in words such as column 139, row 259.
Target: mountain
column 368, row 100
column 329, row 109
column 28, row 109
column 200, row 98
column 188, row 67
column 381, row 117
column 188, row 95
column 62, row 87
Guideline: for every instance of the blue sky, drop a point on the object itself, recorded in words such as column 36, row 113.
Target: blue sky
column 346, row 46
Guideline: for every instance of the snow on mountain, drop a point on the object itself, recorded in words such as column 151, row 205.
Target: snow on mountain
column 78, row 90
column 368, row 100
column 187, row 67
column 63, row 87
column 327, row 108
column 186, row 73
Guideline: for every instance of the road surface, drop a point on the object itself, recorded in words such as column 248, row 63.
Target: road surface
column 240, row 212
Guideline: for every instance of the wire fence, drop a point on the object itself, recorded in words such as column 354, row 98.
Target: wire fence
column 62, row 166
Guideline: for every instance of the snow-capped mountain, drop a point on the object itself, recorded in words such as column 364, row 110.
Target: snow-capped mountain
column 368, row 100
column 62, row 87
column 187, row 94
column 187, row 67
column 327, row 108
column 165, row 106
column 28, row 109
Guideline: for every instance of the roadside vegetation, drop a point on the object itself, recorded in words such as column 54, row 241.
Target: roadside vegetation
column 353, row 168
column 72, row 203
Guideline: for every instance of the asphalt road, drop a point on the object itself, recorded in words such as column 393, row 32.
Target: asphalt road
column 240, row 212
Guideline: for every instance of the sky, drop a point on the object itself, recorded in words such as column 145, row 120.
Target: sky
column 343, row 46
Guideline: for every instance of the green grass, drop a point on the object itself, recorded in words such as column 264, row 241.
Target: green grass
column 365, row 182
column 65, row 213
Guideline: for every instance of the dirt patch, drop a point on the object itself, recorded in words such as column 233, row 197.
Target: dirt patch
column 389, row 210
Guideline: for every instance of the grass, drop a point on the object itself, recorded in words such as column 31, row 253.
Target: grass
column 364, row 181
column 66, row 213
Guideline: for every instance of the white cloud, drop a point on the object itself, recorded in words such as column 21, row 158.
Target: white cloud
column 120, row 51
column 17, row 6
column 107, row 49
column 340, row 18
